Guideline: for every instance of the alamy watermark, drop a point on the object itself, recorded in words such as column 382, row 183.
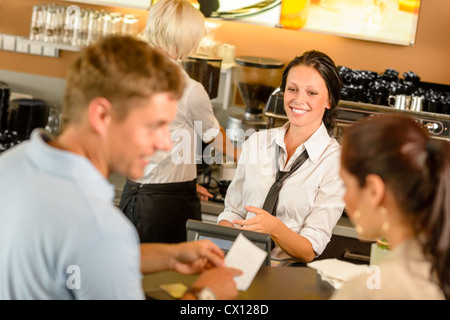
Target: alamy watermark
column 73, row 277
column 374, row 280
column 187, row 146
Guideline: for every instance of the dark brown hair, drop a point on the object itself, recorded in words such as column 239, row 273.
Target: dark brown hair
column 329, row 72
column 416, row 169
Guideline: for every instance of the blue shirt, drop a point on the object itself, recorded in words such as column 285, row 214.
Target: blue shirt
column 61, row 237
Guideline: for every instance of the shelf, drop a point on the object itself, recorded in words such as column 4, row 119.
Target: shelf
column 58, row 46
column 390, row 110
column 24, row 45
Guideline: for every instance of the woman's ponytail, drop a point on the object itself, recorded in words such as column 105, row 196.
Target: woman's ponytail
column 437, row 225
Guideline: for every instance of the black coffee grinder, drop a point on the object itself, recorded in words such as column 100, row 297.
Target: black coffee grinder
column 256, row 78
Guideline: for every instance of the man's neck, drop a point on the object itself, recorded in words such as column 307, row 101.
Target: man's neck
column 80, row 142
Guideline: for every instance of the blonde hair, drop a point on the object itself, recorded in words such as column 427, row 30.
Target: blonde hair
column 175, row 26
column 120, row 69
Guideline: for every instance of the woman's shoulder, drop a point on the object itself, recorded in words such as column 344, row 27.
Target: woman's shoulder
column 404, row 274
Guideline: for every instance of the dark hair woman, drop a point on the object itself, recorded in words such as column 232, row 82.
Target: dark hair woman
column 398, row 188
column 301, row 211
column 328, row 71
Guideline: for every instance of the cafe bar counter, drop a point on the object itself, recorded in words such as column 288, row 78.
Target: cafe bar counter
column 270, row 283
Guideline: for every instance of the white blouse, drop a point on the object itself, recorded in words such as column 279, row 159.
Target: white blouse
column 195, row 122
column 311, row 200
column 404, row 275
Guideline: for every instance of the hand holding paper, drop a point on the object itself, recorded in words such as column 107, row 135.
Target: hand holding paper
column 247, row 257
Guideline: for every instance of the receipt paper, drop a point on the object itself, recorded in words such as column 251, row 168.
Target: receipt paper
column 247, row 257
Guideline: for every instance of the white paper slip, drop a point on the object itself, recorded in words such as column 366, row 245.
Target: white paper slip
column 247, row 257
column 336, row 272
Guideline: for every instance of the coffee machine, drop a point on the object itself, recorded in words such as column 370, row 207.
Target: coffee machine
column 256, row 78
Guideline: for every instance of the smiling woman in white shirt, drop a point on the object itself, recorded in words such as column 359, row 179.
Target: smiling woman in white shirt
column 310, row 201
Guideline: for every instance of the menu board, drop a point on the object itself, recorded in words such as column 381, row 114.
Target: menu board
column 390, row 21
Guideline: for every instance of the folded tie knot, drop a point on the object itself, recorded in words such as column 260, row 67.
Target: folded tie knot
column 282, row 175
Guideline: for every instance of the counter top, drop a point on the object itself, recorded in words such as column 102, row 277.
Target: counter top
column 270, row 283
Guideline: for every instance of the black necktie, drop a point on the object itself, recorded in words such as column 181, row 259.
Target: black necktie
column 270, row 204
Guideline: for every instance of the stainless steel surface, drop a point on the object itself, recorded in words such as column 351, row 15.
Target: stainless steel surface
column 240, row 126
column 274, row 110
column 437, row 124
column 417, row 103
column 401, row 101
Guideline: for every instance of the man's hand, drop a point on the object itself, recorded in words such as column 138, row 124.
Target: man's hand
column 220, row 280
column 196, row 256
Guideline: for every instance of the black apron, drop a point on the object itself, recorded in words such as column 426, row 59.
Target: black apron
column 160, row 211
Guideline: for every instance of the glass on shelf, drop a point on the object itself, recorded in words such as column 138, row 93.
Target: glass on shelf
column 50, row 24
column 116, row 23
column 81, row 30
column 93, row 35
column 54, row 20
column 71, row 23
column 106, row 24
column 76, row 27
column 37, row 23
column 129, row 25
column 61, row 11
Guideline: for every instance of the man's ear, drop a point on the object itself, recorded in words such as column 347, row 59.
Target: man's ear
column 100, row 112
column 376, row 188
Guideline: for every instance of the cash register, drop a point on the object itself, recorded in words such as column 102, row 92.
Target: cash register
column 224, row 236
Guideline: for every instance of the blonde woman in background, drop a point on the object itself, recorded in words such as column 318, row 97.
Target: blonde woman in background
column 160, row 203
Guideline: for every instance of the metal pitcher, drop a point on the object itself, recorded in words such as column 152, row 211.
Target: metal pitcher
column 417, row 103
column 401, row 101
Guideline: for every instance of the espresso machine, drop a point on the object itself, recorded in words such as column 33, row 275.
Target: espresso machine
column 256, row 78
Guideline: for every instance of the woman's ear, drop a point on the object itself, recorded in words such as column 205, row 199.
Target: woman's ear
column 376, row 189
column 100, row 111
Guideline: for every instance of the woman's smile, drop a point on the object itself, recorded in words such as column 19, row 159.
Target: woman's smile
column 298, row 111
